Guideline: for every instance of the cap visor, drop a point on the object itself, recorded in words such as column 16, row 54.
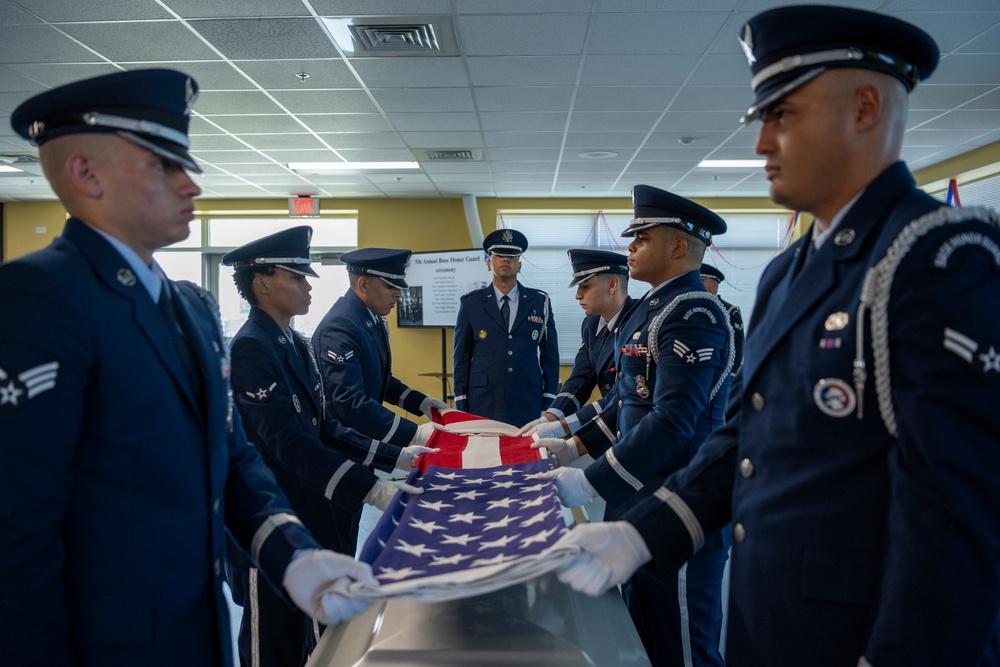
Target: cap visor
column 178, row 155
column 398, row 284
column 772, row 96
column 301, row 269
column 632, row 229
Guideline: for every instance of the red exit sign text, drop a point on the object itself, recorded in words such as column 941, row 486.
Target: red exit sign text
column 303, row 207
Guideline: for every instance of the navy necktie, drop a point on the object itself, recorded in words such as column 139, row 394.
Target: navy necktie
column 167, row 308
column 505, row 311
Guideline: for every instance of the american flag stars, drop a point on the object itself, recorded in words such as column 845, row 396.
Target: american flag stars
column 467, row 519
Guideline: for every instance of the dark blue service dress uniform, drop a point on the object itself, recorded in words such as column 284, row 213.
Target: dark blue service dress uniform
column 849, row 540
column 279, row 393
column 739, row 334
column 512, row 376
column 354, row 356
column 674, row 364
column 120, row 476
column 594, row 366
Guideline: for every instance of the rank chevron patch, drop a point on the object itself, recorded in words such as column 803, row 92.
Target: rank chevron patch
column 692, row 356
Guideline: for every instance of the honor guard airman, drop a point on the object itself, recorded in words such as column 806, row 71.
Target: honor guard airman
column 711, row 278
column 674, row 357
column 124, row 464
column 858, row 461
column 601, row 281
column 506, row 356
column 279, row 394
column 352, row 347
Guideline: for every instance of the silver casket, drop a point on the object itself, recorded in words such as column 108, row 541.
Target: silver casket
column 540, row 622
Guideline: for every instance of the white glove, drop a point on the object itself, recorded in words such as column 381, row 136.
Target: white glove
column 384, row 491
column 409, row 455
column 563, row 451
column 424, row 433
column 610, row 553
column 317, row 581
column 572, row 486
column 548, row 430
column 428, row 403
column 527, row 428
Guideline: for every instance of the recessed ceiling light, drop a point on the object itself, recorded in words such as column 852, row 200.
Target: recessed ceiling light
column 731, row 164
column 598, row 155
column 342, row 167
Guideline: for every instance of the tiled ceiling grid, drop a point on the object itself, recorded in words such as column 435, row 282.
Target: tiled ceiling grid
column 532, row 88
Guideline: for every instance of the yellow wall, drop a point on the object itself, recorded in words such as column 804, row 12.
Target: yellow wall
column 423, row 225
column 417, row 224
column 30, row 226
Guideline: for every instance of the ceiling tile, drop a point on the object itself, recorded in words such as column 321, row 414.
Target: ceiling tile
column 140, row 42
column 345, row 122
column 522, row 34
column 41, row 44
column 94, row 10
column 637, row 70
column 282, row 74
column 654, row 33
column 413, row 121
column 253, row 39
column 523, row 70
column 242, row 102
column 523, row 121
column 509, row 98
column 252, row 124
column 444, row 72
column 424, row 99
column 190, row 9
column 624, row 98
column 325, row 101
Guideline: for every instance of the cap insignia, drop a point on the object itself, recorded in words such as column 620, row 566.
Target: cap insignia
column 190, row 95
column 746, row 43
column 507, row 236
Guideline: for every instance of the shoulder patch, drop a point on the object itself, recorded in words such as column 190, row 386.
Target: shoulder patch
column 338, row 358
column 984, row 359
column 962, row 240
column 15, row 392
column 261, row 394
column 700, row 310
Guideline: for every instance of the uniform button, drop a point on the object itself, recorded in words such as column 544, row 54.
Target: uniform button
column 510, row 352
column 621, row 404
column 606, row 387
column 218, row 567
column 215, row 506
column 619, row 375
column 510, row 370
column 618, row 436
column 509, row 336
column 746, row 468
column 739, row 532
column 757, row 401
column 314, row 421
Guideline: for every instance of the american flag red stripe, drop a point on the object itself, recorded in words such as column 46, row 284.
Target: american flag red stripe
column 475, row 451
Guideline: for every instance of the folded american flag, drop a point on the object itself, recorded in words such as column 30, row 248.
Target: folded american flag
column 484, row 521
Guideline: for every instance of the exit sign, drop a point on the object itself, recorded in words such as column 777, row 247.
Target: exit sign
column 303, row 207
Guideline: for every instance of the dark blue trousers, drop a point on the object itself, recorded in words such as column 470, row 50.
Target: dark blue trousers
column 679, row 617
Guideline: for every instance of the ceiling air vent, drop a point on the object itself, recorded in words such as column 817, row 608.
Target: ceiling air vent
column 417, row 37
column 367, row 36
column 449, row 155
